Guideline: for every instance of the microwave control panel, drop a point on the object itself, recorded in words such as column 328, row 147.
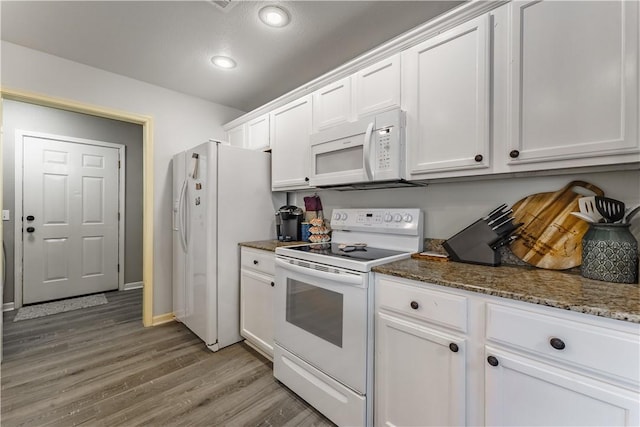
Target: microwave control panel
column 383, row 148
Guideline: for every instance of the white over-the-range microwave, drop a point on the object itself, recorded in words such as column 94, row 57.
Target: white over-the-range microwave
column 368, row 153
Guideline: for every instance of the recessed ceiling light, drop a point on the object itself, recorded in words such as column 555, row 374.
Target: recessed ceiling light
column 274, row 16
column 223, row 62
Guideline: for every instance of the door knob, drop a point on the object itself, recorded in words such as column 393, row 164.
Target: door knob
column 30, row 217
column 30, row 229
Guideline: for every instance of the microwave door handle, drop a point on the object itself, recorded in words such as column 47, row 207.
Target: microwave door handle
column 366, row 154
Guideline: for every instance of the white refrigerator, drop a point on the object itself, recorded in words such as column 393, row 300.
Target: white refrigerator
column 221, row 196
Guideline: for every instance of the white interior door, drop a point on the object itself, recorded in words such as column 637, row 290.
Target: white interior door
column 70, row 219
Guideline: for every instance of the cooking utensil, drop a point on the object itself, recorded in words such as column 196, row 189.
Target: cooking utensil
column 631, row 214
column 491, row 215
column 588, row 207
column 508, row 229
column 611, row 209
column 551, row 237
column 501, row 216
column 504, row 222
column 503, row 242
column 584, row 217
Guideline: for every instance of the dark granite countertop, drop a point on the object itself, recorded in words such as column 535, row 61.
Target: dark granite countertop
column 269, row 245
column 565, row 290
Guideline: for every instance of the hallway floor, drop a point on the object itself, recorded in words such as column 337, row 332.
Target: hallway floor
column 99, row 366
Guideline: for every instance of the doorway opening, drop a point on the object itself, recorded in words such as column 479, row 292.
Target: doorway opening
column 147, row 176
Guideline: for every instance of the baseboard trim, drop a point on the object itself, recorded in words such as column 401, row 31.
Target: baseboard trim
column 161, row 319
column 8, row 306
column 132, row 285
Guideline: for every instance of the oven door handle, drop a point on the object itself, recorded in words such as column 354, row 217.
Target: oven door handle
column 351, row 279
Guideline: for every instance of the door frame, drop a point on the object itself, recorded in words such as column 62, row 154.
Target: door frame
column 18, row 199
column 147, row 185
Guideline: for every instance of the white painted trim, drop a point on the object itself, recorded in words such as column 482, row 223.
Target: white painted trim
column 122, row 182
column 8, row 306
column 163, row 318
column 132, row 285
column 431, row 28
column 18, row 213
column 17, row 230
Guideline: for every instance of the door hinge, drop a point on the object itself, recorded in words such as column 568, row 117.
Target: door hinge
column 118, row 268
column 118, row 216
column 118, row 164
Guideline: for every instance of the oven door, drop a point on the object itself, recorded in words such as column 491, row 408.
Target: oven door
column 321, row 317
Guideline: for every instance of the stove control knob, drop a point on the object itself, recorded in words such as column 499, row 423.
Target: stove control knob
column 397, row 217
column 344, row 217
column 408, row 218
column 387, row 217
column 336, row 216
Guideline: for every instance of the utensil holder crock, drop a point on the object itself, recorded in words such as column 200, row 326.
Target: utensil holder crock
column 610, row 253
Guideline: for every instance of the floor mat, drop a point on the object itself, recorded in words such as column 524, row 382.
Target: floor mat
column 40, row 310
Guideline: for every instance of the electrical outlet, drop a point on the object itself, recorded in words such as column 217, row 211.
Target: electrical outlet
column 6, row 216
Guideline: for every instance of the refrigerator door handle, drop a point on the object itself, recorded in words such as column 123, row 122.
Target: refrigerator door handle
column 181, row 215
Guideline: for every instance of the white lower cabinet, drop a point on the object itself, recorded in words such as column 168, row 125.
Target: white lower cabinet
column 256, row 299
column 521, row 391
column 420, row 366
column 516, row 363
column 420, row 375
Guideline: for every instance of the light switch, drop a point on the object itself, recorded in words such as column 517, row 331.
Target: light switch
column 6, row 215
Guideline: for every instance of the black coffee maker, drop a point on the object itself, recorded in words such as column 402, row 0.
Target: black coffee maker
column 288, row 221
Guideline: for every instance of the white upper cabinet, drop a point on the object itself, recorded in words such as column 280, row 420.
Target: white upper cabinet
column 290, row 130
column 445, row 92
column 257, row 133
column 571, row 81
column 235, row 136
column 253, row 135
column 370, row 90
column 377, row 87
column 332, row 105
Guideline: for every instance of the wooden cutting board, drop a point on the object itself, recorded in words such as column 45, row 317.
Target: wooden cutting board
column 551, row 237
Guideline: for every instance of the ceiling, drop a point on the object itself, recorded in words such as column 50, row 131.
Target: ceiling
column 170, row 43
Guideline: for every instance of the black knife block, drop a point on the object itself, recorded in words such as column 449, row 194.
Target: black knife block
column 473, row 245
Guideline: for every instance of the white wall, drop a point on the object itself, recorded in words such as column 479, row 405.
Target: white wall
column 450, row 207
column 180, row 121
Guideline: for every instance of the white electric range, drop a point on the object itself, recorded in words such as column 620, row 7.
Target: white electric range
column 324, row 309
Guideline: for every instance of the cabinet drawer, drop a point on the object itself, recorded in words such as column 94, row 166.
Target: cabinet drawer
column 582, row 345
column 258, row 260
column 436, row 307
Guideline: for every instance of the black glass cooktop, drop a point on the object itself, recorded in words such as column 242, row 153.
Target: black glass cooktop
column 356, row 253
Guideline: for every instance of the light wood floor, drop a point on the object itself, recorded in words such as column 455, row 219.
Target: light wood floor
column 98, row 366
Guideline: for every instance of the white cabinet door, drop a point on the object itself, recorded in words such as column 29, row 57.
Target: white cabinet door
column 446, row 95
column 257, row 133
column 332, row 105
column 290, row 130
column 522, row 392
column 236, row 136
column 573, row 84
column 419, row 379
column 377, row 87
column 256, row 309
